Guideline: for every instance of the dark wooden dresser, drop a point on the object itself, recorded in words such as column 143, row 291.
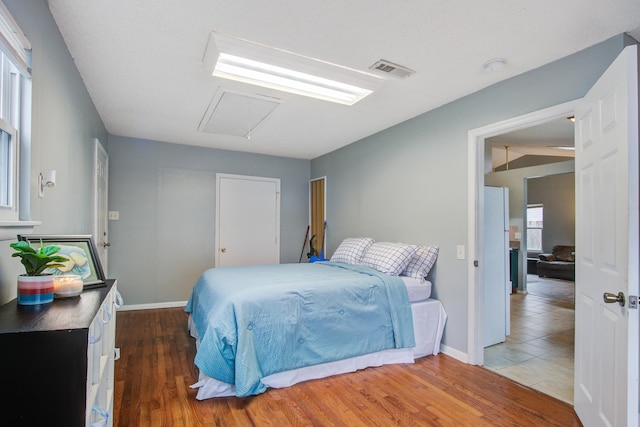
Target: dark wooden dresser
column 56, row 360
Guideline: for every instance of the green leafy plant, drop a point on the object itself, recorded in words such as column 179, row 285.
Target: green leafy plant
column 36, row 261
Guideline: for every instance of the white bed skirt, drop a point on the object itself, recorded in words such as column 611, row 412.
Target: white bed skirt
column 429, row 318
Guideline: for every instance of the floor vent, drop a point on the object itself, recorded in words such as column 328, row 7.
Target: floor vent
column 389, row 68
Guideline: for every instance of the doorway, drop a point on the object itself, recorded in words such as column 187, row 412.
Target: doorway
column 477, row 166
column 317, row 209
column 539, row 352
column 606, row 185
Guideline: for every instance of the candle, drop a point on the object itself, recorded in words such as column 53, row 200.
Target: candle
column 67, row 285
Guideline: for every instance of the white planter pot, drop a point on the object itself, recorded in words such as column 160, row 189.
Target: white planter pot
column 33, row 290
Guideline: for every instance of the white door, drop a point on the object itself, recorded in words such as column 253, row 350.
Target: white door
column 606, row 346
column 496, row 265
column 101, row 204
column 248, row 220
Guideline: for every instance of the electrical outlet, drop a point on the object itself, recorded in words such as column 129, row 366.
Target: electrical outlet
column 460, row 252
column 114, row 215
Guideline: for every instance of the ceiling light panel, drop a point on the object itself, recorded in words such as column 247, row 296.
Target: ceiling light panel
column 272, row 68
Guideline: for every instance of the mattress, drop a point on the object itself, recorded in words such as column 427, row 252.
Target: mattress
column 429, row 319
column 418, row 290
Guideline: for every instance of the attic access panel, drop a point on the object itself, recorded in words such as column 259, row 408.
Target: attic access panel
column 236, row 114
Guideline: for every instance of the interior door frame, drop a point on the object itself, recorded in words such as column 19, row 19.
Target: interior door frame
column 324, row 212
column 475, row 214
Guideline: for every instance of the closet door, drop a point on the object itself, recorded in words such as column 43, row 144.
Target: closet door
column 247, row 220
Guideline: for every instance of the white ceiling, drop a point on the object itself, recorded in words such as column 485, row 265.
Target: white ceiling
column 142, row 60
column 540, row 140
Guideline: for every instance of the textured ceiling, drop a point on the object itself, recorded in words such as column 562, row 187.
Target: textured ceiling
column 142, row 60
column 540, row 140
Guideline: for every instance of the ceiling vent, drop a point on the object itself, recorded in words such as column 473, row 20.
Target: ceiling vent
column 391, row 69
column 234, row 113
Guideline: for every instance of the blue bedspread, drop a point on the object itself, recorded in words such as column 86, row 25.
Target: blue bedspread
column 255, row 321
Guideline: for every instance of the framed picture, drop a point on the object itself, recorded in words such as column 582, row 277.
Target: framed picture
column 81, row 254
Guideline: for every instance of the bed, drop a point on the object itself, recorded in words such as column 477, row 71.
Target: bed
column 276, row 325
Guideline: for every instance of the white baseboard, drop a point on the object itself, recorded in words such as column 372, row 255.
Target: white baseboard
column 456, row 354
column 151, row 306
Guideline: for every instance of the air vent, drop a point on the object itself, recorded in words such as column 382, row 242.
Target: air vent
column 391, row 69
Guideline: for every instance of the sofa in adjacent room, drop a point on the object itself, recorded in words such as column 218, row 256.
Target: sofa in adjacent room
column 559, row 264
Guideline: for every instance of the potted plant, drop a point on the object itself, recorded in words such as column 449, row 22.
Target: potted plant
column 34, row 287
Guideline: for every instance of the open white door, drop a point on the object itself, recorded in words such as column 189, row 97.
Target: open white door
column 606, row 346
column 497, row 287
column 101, row 204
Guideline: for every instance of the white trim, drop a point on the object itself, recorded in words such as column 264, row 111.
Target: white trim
column 9, row 230
column 15, row 43
column 153, row 305
column 456, row 354
column 475, row 216
column 11, row 211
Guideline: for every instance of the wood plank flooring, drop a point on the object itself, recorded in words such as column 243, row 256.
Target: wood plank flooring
column 156, row 367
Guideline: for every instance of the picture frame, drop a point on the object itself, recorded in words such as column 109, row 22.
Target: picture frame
column 81, row 252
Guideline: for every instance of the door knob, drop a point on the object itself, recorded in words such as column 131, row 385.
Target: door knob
column 610, row 298
column 106, row 244
column 223, row 250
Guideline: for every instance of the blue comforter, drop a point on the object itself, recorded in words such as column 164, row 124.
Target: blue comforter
column 254, row 321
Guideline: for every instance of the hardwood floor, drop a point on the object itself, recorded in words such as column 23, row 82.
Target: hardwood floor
column 156, row 368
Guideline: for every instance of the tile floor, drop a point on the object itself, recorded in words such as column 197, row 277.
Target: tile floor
column 539, row 351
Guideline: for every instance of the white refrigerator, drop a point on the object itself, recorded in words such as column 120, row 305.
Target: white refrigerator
column 497, row 286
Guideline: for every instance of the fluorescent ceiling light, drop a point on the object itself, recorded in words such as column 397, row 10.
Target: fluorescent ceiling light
column 270, row 76
column 564, row 148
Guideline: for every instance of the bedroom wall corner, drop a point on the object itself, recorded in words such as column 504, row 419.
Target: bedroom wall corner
column 165, row 194
column 409, row 183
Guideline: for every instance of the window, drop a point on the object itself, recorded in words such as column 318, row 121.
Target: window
column 8, row 160
column 15, row 115
column 9, row 118
column 535, row 215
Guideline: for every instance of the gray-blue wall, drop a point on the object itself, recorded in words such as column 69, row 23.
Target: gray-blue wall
column 165, row 194
column 409, row 182
column 65, row 122
column 557, row 194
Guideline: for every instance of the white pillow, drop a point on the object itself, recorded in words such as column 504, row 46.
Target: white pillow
column 421, row 263
column 351, row 250
column 390, row 258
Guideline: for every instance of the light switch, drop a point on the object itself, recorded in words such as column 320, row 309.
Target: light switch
column 114, row 215
column 460, row 252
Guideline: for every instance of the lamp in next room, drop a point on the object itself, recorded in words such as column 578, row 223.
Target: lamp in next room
column 48, row 179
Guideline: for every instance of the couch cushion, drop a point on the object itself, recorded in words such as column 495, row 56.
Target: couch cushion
column 564, row 253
